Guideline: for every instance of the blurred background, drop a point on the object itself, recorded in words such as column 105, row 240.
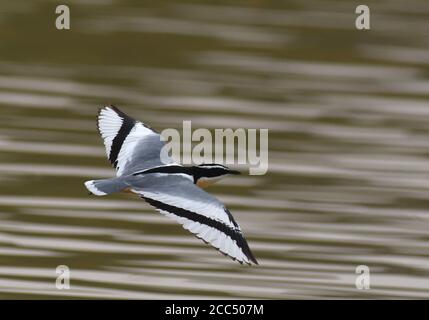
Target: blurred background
column 347, row 110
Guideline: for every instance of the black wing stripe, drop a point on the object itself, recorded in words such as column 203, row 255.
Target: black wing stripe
column 231, row 218
column 166, row 169
column 180, row 212
column 127, row 124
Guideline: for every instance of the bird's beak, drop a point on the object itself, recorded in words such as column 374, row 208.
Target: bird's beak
column 234, row 172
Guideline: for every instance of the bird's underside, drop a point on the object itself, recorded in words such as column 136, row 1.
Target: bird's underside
column 134, row 150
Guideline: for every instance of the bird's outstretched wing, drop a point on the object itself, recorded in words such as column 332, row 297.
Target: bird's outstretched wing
column 130, row 144
column 197, row 211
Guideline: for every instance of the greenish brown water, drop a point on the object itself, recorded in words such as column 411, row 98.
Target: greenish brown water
column 348, row 115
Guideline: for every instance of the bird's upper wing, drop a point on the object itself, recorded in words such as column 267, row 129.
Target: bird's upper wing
column 130, row 144
column 206, row 217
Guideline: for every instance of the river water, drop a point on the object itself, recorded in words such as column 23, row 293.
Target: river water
column 347, row 113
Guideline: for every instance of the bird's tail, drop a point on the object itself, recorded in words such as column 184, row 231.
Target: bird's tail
column 106, row 186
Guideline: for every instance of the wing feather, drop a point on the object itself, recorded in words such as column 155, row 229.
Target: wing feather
column 130, row 144
column 198, row 212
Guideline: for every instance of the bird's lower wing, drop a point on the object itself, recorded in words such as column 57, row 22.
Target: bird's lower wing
column 197, row 211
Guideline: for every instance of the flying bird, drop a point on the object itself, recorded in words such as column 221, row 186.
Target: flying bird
column 134, row 150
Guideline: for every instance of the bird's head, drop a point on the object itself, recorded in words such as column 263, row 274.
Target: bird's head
column 207, row 174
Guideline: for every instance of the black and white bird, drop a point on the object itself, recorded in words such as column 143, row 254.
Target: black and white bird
column 134, row 149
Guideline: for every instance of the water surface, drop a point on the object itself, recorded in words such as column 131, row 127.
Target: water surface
column 348, row 178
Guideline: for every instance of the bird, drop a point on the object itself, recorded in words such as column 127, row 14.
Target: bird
column 176, row 191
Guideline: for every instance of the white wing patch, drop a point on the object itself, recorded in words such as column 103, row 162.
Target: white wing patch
column 109, row 124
